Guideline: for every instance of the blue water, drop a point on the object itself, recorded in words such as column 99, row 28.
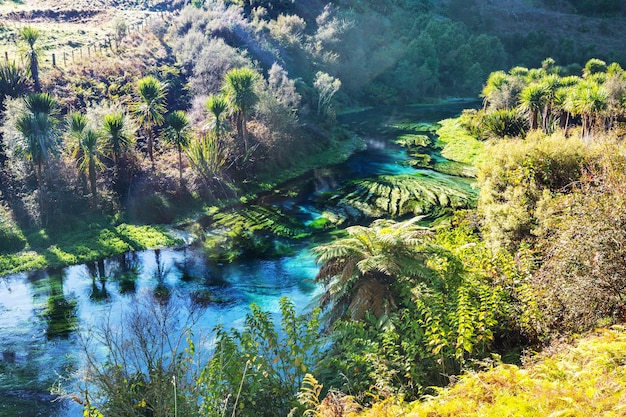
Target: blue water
column 31, row 361
column 29, row 351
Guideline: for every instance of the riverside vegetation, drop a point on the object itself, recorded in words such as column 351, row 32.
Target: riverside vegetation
column 218, row 104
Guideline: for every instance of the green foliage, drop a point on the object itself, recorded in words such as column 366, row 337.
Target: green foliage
column 12, row 81
column 583, row 379
column 30, row 36
column 11, row 237
column 447, row 315
column 217, row 106
column 504, row 123
column 413, row 141
column 177, row 134
column 397, row 196
column 151, row 362
column 251, row 230
column 150, row 108
column 239, row 89
column 367, row 271
column 207, row 156
column 117, row 135
column 581, row 280
column 458, row 144
column 84, row 241
column 260, row 365
column 519, row 176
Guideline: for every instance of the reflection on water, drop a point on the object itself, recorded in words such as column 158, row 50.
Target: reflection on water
column 39, row 311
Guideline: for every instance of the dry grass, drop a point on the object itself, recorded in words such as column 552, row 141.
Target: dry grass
column 68, row 26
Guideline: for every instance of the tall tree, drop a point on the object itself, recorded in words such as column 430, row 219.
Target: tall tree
column 178, row 135
column 217, row 106
column 117, row 137
column 37, row 127
column 239, row 90
column 532, row 100
column 550, row 85
column 615, row 86
column 76, row 125
column 150, row 108
column 87, row 151
column 30, row 36
column 590, row 101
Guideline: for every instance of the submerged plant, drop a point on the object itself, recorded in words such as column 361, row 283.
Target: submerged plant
column 401, row 195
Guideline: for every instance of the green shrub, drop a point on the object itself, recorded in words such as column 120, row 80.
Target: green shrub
column 521, row 175
column 582, row 280
column 258, row 371
column 504, row 123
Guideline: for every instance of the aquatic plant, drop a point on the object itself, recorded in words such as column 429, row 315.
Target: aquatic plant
column 397, row 196
column 251, row 230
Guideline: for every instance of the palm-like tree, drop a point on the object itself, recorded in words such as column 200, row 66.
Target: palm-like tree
column 178, row 134
column 239, row 89
column 550, row 85
column 76, row 125
column 85, row 149
column 117, row 137
column 495, row 83
column 37, row 127
column 590, row 101
column 532, row 100
column 88, row 154
column 615, row 86
column 217, row 106
column 30, row 36
column 366, row 270
column 150, row 109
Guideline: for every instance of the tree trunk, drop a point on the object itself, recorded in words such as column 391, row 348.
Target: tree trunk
column 92, row 181
column 244, row 131
column 40, row 185
column 180, row 164
column 150, row 146
column 34, row 71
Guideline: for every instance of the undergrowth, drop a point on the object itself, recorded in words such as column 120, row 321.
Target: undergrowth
column 586, row 379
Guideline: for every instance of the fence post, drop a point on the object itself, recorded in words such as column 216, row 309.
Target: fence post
column 64, row 60
column 54, row 60
column 6, row 56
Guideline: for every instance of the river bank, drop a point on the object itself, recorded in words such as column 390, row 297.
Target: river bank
column 96, row 236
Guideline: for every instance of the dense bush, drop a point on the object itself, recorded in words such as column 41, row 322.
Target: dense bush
column 581, row 281
column 444, row 301
column 520, row 176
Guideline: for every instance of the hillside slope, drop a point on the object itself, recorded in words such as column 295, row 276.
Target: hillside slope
column 546, row 24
